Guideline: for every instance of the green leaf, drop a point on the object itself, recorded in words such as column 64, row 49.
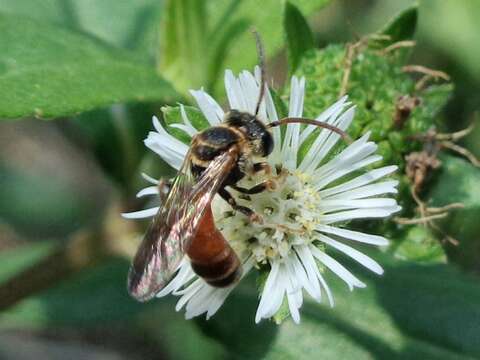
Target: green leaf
column 266, row 17
column 402, row 26
column 420, row 245
column 172, row 115
column 459, row 181
column 413, row 311
column 94, row 295
column 183, row 44
column 220, row 47
column 116, row 136
column 298, row 34
column 454, row 38
column 98, row 296
column 132, row 25
column 40, row 205
column 47, row 71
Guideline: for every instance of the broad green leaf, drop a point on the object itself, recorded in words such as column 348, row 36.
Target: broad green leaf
column 402, row 26
column 47, row 71
column 116, row 136
column 183, row 46
column 131, row 24
column 418, row 244
column 266, row 17
column 128, row 24
column 41, row 205
column 221, row 43
column 95, row 295
column 459, row 181
column 172, row 115
column 298, row 34
column 98, row 296
column 413, row 311
column 459, row 30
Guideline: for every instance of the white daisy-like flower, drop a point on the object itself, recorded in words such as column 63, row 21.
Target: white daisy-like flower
column 302, row 217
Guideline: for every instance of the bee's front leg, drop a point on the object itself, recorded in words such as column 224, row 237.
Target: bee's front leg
column 252, row 215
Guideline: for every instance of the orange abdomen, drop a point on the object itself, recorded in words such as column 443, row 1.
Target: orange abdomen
column 211, row 256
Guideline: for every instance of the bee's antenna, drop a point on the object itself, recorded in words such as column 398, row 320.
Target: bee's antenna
column 300, row 120
column 261, row 60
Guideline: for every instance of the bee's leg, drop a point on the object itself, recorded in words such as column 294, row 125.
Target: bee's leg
column 267, row 169
column 243, row 209
column 265, row 185
column 262, row 166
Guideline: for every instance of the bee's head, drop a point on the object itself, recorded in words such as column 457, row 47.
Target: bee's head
column 260, row 138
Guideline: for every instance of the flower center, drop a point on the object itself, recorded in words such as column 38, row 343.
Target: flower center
column 290, row 215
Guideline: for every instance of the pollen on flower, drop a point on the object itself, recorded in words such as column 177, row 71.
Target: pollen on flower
column 290, row 215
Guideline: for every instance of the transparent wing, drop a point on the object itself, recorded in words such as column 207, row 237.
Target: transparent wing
column 176, row 222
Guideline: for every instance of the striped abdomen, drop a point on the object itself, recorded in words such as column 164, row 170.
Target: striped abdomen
column 211, row 256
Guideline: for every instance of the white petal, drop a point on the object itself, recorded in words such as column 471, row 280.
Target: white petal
column 200, row 302
column 151, row 190
column 327, row 289
column 304, row 267
column 150, row 179
column 292, row 134
column 141, row 214
column 361, row 258
column 273, row 116
column 277, row 293
column 268, row 296
column 234, row 92
column 328, row 116
column 353, row 235
column 185, row 129
column 356, row 151
column 384, row 187
column 184, row 275
column 361, row 180
column 189, row 293
column 209, row 107
column 337, row 268
column 328, row 206
column 358, row 214
column 344, row 170
column 325, row 141
column 294, row 297
column 307, row 251
column 251, row 90
column 349, row 157
column 217, row 301
column 172, row 150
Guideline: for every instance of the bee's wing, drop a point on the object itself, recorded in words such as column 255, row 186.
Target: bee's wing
column 176, row 222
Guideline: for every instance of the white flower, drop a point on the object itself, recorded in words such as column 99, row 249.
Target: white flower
column 301, row 218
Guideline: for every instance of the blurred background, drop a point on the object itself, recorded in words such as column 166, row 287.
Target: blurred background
column 62, row 180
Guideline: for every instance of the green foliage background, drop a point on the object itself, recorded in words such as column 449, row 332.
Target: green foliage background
column 98, row 71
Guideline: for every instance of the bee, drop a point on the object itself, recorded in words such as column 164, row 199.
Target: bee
column 218, row 157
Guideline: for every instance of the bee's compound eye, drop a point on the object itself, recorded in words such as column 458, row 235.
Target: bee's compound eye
column 267, row 143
